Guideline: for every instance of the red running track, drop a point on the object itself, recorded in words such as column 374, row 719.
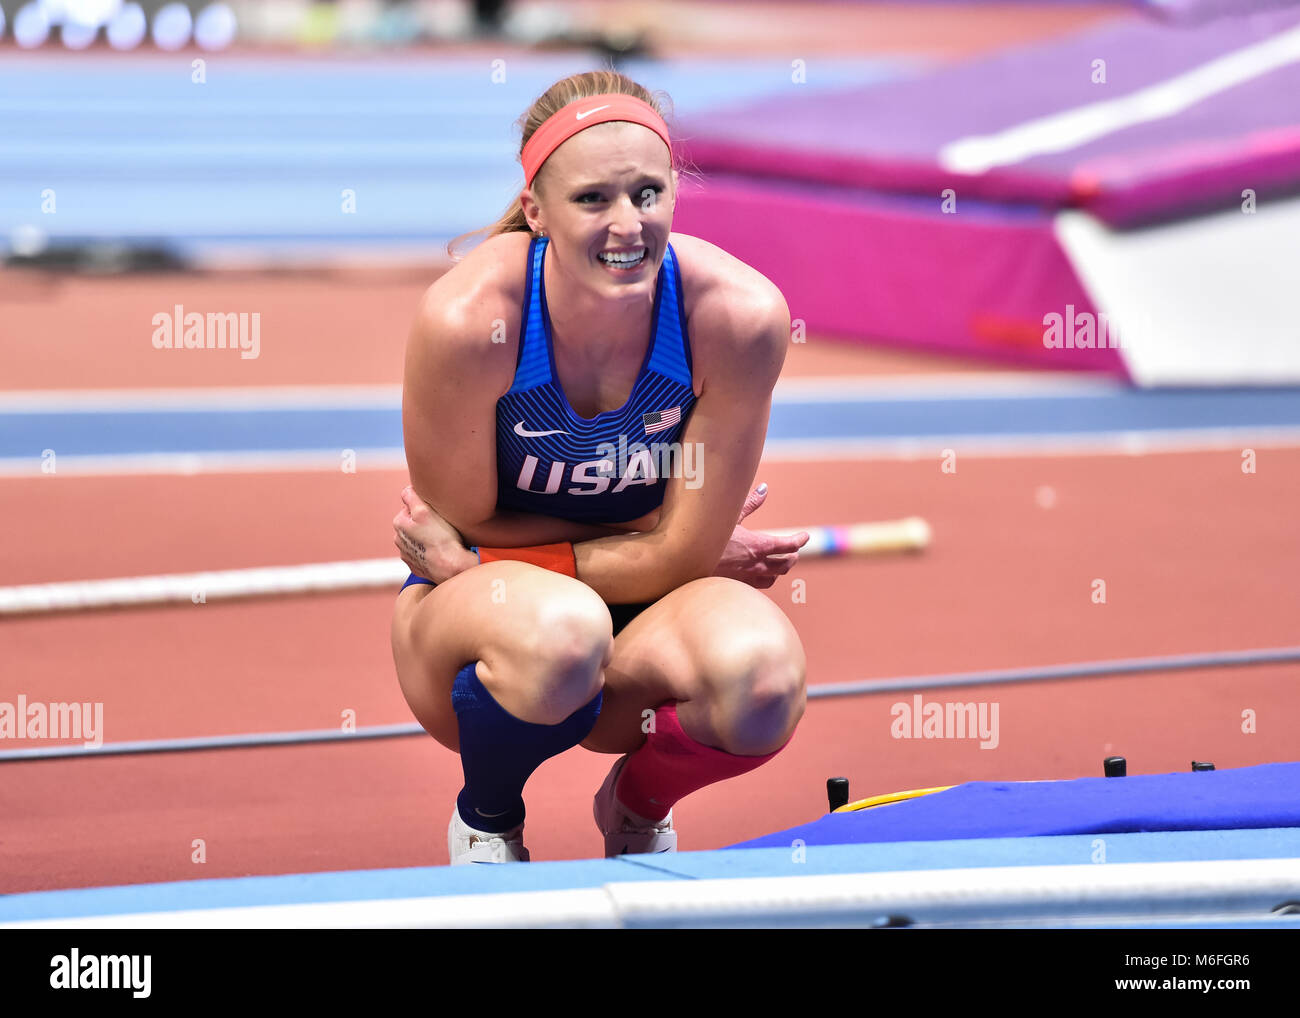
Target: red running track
column 1196, row 556
column 1006, row 584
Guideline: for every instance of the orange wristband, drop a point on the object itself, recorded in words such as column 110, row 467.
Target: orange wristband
column 559, row 558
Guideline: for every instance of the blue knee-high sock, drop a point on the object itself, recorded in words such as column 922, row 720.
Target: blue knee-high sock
column 499, row 753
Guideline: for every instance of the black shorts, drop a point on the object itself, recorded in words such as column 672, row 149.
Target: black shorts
column 621, row 614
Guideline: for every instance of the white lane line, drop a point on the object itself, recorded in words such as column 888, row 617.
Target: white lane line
column 1106, row 443
column 233, row 398
column 795, row 450
column 945, row 386
column 866, row 687
column 190, row 463
column 805, row 389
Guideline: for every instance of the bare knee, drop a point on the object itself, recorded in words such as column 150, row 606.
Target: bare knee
column 551, row 661
column 572, row 638
column 752, row 689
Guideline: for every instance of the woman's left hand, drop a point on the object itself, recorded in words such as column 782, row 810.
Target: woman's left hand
column 754, row 557
column 429, row 545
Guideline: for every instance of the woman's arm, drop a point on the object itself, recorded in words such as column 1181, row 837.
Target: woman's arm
column 454, row 375
column 520, row 530
column 434, row 549
column 739, row 365
column 449, row 418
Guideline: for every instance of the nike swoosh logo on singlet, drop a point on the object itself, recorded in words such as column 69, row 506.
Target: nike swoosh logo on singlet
column 522, row 432
column 587, row 113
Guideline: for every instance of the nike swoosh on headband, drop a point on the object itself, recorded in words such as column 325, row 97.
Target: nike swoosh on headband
column 587, row 113
column 522, row 432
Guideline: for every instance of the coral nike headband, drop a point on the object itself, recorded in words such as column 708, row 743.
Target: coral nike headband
column 578, row 116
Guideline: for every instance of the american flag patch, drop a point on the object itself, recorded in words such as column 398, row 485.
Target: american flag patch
column 661, row 420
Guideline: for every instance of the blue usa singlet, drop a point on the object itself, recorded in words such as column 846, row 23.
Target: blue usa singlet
column 610, row 468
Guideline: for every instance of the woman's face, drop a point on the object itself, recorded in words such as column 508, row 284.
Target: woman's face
column 605, row 198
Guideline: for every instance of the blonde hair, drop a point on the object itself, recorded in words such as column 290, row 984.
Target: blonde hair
column 555, row 98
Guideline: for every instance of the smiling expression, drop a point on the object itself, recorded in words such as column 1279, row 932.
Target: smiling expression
column 606, row 198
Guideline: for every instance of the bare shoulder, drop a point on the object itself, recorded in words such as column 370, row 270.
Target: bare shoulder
column 486, row 282
column 731, row 307
column 715, row 279
column 475, row 307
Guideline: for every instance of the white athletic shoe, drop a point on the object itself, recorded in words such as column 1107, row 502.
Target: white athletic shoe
column 465, row 845
column 625, row 832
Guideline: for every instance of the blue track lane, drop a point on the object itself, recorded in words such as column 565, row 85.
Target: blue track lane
column 263, row 150
column 27, row 434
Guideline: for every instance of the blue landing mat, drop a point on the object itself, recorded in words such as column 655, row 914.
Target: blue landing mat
column 1249, row 797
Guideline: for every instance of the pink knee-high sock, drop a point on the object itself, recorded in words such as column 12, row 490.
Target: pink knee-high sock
column 671, row 765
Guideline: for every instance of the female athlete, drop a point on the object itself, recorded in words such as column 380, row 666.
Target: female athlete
column 585, row 404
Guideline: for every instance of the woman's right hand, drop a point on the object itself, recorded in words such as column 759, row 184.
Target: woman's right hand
column 429, row 545
column 754, row 557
